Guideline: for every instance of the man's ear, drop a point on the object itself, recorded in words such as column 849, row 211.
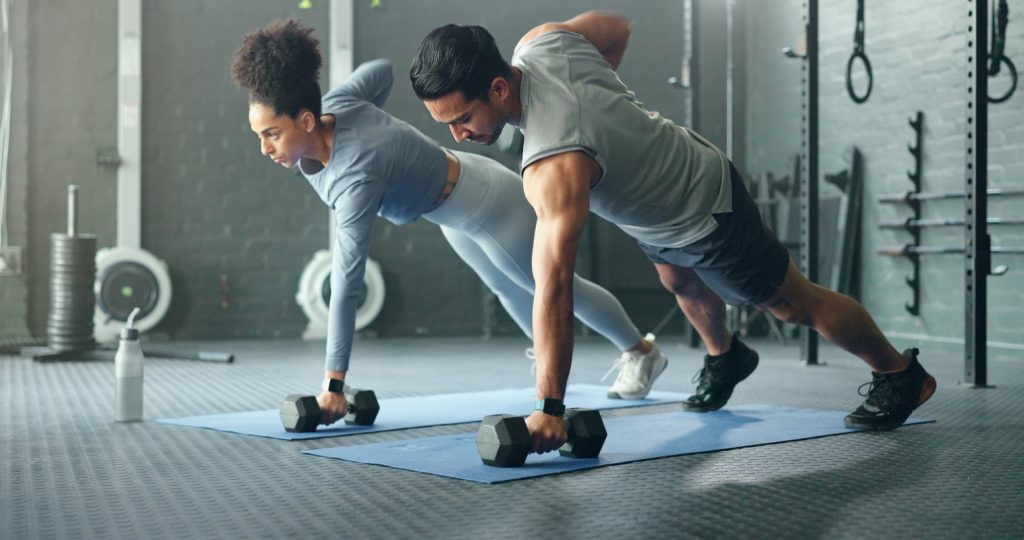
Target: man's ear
column 500, row 88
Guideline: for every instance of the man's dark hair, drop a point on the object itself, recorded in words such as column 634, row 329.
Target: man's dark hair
column 279, row 65
column 455, row 57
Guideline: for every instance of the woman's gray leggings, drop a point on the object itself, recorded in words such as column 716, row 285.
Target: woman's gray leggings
column 489, row 223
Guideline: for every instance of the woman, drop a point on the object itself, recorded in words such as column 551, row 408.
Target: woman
column 363, row 162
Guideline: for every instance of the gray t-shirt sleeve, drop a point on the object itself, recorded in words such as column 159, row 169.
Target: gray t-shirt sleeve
column 555, row 115
column 660, row 183
column 354, row 211
column 371, row 81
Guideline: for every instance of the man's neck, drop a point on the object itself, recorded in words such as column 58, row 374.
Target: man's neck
column 516, row 114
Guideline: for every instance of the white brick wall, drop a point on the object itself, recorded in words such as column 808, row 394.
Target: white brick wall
column 918, row 54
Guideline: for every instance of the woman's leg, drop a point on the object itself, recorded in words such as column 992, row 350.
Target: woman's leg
column 517, row 301
column 501, row 222
column 489, row 208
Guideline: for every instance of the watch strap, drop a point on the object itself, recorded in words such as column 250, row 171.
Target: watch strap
column 548, row 405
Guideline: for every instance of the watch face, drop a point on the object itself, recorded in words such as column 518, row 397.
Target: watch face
column 550, row 406
column 333, row 385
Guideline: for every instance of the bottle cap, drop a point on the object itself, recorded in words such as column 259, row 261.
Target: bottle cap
column 128, row 332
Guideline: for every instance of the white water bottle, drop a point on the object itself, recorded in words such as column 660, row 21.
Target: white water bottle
column 128, row 371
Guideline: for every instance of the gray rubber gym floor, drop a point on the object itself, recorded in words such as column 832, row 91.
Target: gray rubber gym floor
column 69, row 471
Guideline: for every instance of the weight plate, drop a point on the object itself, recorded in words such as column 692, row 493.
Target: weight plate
column 126, row 286
column 69, row 317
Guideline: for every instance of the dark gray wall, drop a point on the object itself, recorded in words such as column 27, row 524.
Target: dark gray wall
column 235, row 230
column 918, row 53
column 71, row 105
column 220, row 214
column 710, row 73
column 14, row 287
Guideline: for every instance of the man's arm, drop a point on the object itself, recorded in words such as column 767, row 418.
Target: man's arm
column 558, row 187
column 608, row 31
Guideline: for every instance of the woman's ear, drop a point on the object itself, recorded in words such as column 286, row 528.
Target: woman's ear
column 307, row 121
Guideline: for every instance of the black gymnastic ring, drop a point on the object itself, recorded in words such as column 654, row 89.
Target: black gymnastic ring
column 849, row 81
column 1013, row 77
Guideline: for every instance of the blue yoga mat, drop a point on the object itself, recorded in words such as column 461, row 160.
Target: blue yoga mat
column 631, row 438
column 421, row 411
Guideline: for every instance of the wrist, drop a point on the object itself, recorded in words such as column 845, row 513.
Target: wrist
column 550, row 406
column 333, row 384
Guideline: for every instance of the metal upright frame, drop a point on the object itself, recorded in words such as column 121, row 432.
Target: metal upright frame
column 978, row 260
column 689, row 60
column 809, row 164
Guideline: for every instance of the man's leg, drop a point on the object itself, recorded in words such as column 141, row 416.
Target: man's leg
column 703, row 308
column 837, row 318
column 899, row 384
column 729, row 360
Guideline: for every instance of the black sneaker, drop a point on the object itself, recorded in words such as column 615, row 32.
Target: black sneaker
column 891, row 397
column 719, row 376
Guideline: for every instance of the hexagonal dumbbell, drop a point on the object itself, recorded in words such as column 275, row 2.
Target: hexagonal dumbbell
column 586, row 434
column 504, row 441
column 301, row 413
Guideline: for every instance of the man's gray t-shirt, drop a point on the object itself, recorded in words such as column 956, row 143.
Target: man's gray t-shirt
column 661, row 183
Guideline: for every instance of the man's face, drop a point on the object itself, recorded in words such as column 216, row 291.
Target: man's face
column 281, row 138
column 475, row 120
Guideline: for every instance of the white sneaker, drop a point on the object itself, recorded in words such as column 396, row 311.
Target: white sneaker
column 637, row 372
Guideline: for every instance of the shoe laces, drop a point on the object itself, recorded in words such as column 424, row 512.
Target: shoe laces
column 880, row 390
column 628, row 364
column 625, row 364
column 704, row 380
column 697, row 376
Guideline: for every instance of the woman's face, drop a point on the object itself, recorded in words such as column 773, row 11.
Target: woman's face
column 282, row 139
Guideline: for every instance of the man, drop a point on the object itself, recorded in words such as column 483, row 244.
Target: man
column 590, row 145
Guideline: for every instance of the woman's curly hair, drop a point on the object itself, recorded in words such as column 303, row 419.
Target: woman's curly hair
column 279, row 65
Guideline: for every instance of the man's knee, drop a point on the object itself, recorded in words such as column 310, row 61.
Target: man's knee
column 683, row 282
column 792, row 308
column 787, row 312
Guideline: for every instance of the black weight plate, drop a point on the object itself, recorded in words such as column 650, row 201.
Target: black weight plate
column 125, row 286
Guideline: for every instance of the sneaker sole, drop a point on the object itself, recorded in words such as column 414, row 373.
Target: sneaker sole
column 927, row 390
column 617, row 395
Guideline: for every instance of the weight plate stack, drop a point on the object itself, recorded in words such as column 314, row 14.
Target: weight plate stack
column 69, row 326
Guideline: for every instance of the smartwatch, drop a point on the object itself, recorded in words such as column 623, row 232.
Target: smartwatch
column 551, row 406
column 336, row 386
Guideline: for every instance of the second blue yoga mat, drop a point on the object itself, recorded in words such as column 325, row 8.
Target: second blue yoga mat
column 421, row 411
column 631, row 438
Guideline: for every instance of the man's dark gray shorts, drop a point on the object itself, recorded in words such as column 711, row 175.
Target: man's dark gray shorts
column 741, row 260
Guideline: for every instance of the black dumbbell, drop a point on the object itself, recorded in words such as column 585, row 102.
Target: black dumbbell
column 302, row 412
column 504, row 441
